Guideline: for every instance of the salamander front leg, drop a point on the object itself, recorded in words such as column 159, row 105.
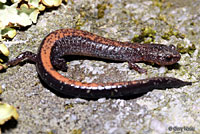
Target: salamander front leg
column 132, row 65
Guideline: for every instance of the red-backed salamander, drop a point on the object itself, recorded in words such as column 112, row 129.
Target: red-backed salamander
column 76, row 42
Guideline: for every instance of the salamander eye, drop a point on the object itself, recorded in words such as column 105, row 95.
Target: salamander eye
column 172, row 47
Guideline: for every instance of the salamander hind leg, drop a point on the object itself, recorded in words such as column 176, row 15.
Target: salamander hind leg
column 59, row 63
column 23, row 56
column 132, row 65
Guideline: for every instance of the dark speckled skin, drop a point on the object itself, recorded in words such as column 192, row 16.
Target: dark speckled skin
column 120, row 51
column 77, row 45
column 76, row 42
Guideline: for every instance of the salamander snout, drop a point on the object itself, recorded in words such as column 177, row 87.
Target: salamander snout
column 171, row 59
column 168, row 55
column 161, row 54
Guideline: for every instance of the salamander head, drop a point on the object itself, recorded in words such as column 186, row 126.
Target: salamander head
column 162, row 54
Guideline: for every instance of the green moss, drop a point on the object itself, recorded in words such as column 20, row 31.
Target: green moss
column 190, row 49
column 158, row 3
column 135, row 21
column 170, row 33
column 50, row 132
column 147, row 35
column 101, row 9
column 162, row 4
column 80, row 22
column 198, row 55
column 1, row 91
column 148, row 40
column 68, row 106
column 77, row 131
column 162, row 17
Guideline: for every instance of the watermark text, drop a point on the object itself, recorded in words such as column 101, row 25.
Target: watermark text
column 181, row 129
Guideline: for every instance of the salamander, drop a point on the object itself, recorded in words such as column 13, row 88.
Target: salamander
column 66, row 42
